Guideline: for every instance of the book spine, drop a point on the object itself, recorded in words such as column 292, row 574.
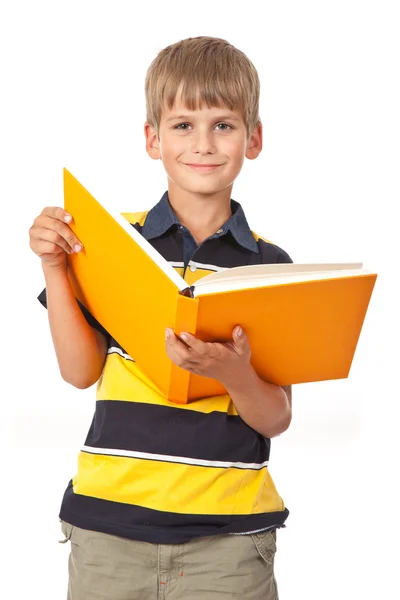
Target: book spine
column 185, row 320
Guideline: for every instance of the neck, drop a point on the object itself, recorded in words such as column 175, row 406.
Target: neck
column 203, row 215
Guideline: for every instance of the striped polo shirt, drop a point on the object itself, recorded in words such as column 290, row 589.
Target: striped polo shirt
column 160, row 472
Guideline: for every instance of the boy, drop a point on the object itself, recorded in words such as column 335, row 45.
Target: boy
column 175, row 501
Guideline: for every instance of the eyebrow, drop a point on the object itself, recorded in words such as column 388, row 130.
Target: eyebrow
column 188, row 117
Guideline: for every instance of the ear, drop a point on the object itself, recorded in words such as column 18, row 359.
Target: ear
column 254, row 145
column 152, row 141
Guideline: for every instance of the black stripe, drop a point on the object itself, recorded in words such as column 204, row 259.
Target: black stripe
column 158, row 527
column 175, row 432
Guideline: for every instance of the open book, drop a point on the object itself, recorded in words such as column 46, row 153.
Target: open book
column 303, row 321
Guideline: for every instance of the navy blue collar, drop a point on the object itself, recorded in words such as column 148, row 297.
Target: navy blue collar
column 162, row 217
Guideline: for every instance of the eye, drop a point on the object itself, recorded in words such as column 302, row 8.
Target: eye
column 226, row 125
column 180, row 125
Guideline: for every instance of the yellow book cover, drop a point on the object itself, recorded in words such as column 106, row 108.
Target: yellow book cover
column 303, row 321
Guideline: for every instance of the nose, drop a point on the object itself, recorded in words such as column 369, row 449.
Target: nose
column 203, row 142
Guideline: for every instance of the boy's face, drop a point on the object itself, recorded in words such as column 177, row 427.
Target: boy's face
column 208, row 136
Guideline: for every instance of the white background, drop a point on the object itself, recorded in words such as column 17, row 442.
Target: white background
column 325, row 188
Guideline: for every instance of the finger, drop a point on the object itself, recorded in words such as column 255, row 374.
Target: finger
column 175, row 346
column 62, row 229
column 56, row 212
column 194, row 343
column 42, row 235
column 241, row 342
column 172, row 340
column 41, row 247
column 183, row 363
column 238, row 333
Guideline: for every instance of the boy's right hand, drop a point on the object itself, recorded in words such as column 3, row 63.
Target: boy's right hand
column 51, row 238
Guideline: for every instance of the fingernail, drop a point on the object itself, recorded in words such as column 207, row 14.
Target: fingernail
column 184, row 336
column 239, row 332
column 77, row 248
column 67, row 218
column 167, row 333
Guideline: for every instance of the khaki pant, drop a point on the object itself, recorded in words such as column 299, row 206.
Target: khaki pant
column 107, row 567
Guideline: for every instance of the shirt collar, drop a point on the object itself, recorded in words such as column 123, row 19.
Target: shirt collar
column 162, row 217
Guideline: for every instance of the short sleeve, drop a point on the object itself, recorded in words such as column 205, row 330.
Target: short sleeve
column 271, row 253
column 283, row 257
column 88, row 316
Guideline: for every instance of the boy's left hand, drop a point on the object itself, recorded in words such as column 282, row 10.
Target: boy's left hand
column 222, row 361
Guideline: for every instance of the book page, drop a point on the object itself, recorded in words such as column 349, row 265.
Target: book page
column 271, row 279
column 266, row 270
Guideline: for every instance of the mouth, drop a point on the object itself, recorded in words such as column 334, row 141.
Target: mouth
column 201, row 167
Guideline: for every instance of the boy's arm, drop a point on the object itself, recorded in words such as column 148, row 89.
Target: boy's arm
column 265, row 407
column 80, row 349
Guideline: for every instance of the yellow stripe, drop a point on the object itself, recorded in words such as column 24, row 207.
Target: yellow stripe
column 191, row 277
column 259, row 237
column 138, row 217
column 176, row 488
column 123, row 380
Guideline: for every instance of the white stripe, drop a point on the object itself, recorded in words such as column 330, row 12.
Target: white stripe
column 115, row 350
column 175, row 459
column 176, row 264
column 197, row 265
column 208, row 267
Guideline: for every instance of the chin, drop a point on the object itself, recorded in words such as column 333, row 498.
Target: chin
column 206, row 185
column 202, row 189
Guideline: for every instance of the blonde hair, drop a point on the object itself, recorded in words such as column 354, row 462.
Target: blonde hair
column 209, row 69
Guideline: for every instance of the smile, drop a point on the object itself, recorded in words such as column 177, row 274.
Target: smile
column 203, row 168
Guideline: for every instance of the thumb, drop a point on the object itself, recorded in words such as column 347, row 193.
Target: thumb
column 239, row 336
column 241, row 342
